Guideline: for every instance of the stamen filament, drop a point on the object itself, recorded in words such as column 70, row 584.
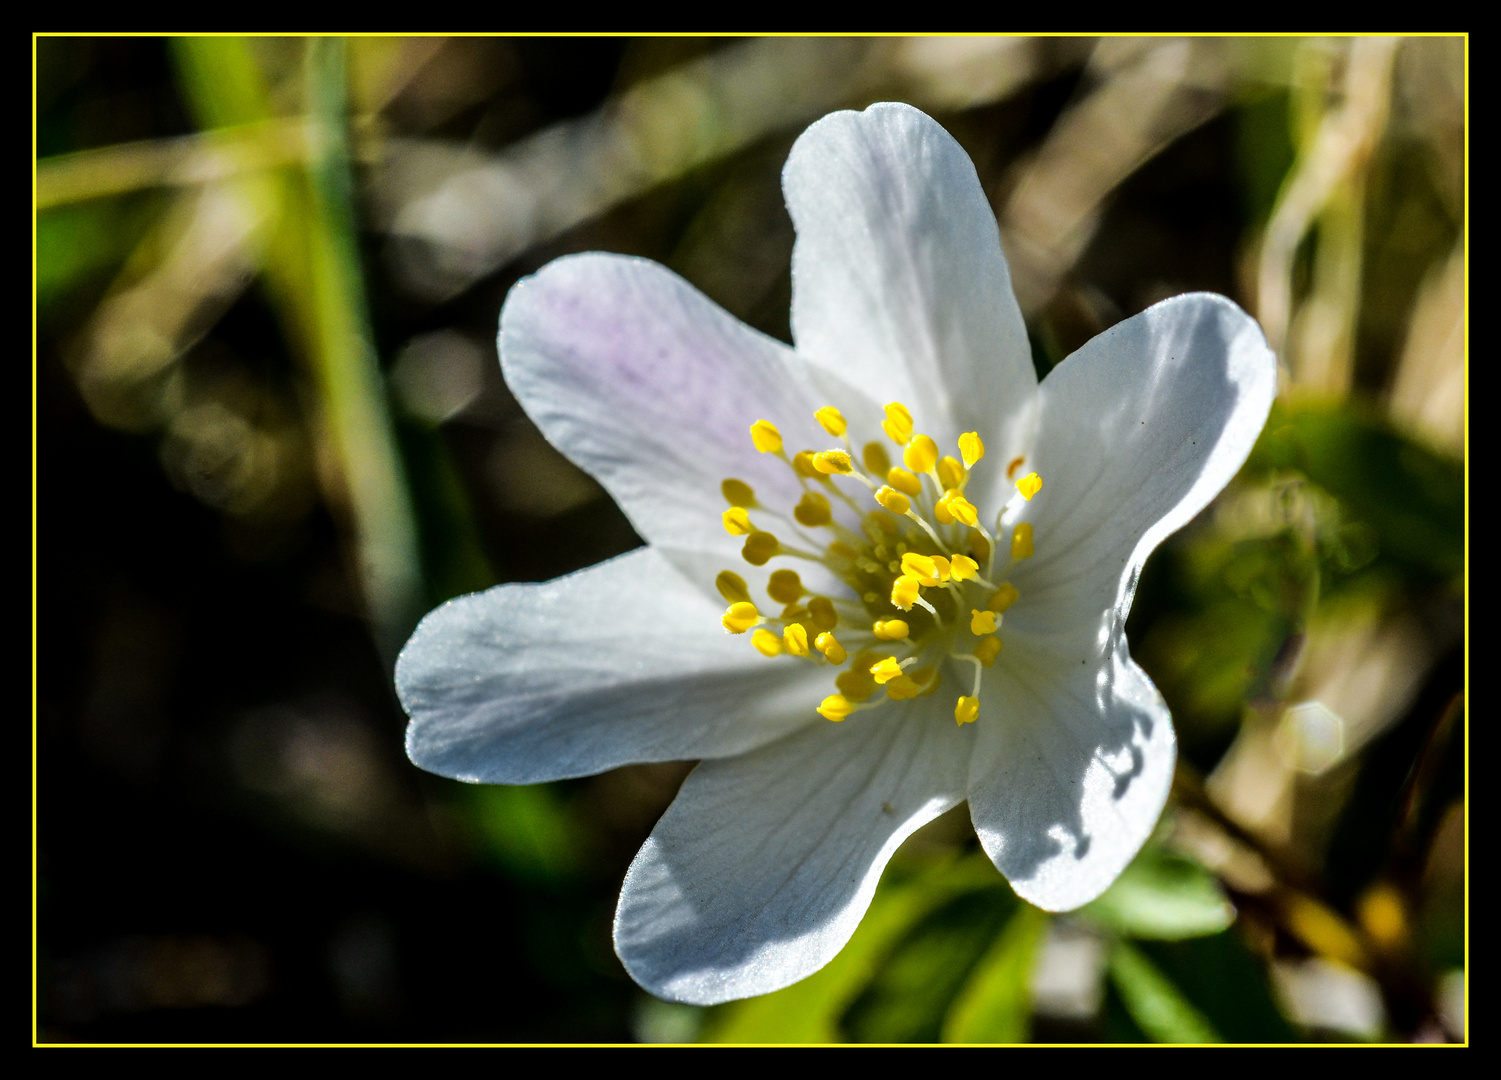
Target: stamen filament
column 979, row 669
column 925, row 527
column 931, row 609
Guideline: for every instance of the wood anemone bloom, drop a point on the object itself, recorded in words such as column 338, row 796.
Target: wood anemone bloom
column 851, row 627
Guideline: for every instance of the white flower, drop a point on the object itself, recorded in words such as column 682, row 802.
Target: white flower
column 759, row 871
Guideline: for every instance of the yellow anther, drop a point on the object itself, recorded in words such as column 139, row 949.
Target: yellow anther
column 904, row 482
column 1002, row 598
column 767, row 643
column 732, row 587
column 833, row 463
column 885, row 670
column 971, row 448
column 843, row 550
column 740, row 617
column 1021, row 541
column 893, row 500
column 898, row 423
column 794, row 613
column 833, row 652
column 941, row 513
column 856, row 683
column 836, row 707
column 982, row 622
column 759, row 548
column 921, row 454
column 784, row 586
column 1029, row 485
column 821, row 612
column 950, row 472
column 737, row 492
column 904, row 591
column 831, row 420
column 988, row 649
column 737, row 522
column 960, row 508
column 902, row 688
column 802, row 464
column 765, row 435
column 963, row 568
column 966, row 711
column 979, row 547
column 928, row 678
column 891, row 630
column 876, row 461
column 1013, row 465
column 813, row 510
column 944, row 567
column 795, row 638
column 885, row 524
column 920, row 567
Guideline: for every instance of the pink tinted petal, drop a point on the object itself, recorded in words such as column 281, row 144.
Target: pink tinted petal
column 652, row 388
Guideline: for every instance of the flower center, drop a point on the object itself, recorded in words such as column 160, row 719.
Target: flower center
column 925, row 579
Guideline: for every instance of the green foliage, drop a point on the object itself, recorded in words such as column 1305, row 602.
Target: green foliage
column 948, row 953
column 528, row 831
column 1411, row 499
column 1243, row 602
column 453, row 557
column 995, row 1005
column 1332, row 501
column 811, row 1011
column 1156, row 1005
column 224, row 84
column 80, row 244
column 1265, row 151
column 1226, row 984
column 909, row 996
column 1162, row 896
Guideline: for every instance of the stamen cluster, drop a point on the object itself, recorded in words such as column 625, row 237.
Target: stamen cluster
column 912, row 567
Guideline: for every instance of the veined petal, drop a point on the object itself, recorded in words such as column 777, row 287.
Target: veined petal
column 1071, row 769
column 1138, row 430
column 898, row 281
column 762, row 867
column 618, row 663
column 652, row 388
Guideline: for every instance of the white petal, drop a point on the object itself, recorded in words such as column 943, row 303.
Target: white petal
column 761, row 868
column 1138, row 430
column 652, row 388
column 622, row 662
column 898, row 281
column 1071, row 768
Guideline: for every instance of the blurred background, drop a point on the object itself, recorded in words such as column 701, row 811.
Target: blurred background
column 271, row 433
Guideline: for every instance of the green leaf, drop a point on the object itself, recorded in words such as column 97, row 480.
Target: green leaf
column 995, row 1005
column 1162, row 896
column 810, row 1011
column 527, row 830
column 1154, row 1002
column 83, row 244
column 1409, row 496
column 1226, row 983
column 910, row 994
